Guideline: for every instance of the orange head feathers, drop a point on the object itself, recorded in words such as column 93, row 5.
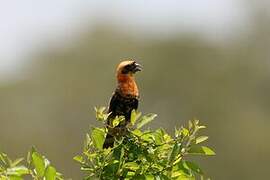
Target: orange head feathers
column 125, row 77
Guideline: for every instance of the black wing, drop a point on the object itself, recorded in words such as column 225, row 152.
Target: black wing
column 119, row 106
column 122, row 106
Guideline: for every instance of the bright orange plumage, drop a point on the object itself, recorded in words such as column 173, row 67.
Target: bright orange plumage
column 126, row 81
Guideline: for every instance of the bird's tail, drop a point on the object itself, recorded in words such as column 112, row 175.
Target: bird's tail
column 109, row 141
column 117, row 132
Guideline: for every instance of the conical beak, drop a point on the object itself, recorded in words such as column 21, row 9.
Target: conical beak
column 138, row 67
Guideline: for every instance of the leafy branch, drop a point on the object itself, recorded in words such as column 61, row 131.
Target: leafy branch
column 138, row 154
column 37, row 167
column 143, row 154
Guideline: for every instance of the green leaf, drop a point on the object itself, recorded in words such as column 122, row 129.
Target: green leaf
column 5, row 160
column 146, row 119
column 13, row 178
column 100, row 114
column 88, row 142
column 184, row 131
column 117, row 120
column 201, row 139
column 167, row 138
column 79, row 159
column 149, row 177
column 134, row 116
column 39, row 163
column 130, row 174
column 59, row 176
column 137, row 132
column 158, row 135
column 121, row 159
column 201, row 127
column 148, row 137
column 50, row 173
column 194, row 167
column 98, row 137
column 196, row 122
column 17, row 171
column 131, row 166
column 16, row 162
column 29, row 156
column 182, row 169
column 174, row 153
column 162, row 177
column 176, row 174
column 110, row 170
column 202, row 150
column 183, row 177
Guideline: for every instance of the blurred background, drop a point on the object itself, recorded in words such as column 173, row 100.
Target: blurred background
column 204, row 59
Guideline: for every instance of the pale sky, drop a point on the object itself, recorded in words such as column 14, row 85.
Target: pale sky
column 28, row 24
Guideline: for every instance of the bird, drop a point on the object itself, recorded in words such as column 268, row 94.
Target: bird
column 124, row 100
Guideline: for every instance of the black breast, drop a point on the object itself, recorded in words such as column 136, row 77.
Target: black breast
column 122, row 105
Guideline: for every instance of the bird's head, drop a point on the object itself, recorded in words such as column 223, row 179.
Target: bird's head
column 125, row 77
column 128, row 68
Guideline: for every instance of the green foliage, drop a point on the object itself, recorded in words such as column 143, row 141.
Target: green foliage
column 139, row 154
column 37, row 167
column 143, row 154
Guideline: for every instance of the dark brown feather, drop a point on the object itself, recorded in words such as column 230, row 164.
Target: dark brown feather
column 119, row 106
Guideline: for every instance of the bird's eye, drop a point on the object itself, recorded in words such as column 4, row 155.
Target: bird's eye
column 132, row 67
column 127, row 69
